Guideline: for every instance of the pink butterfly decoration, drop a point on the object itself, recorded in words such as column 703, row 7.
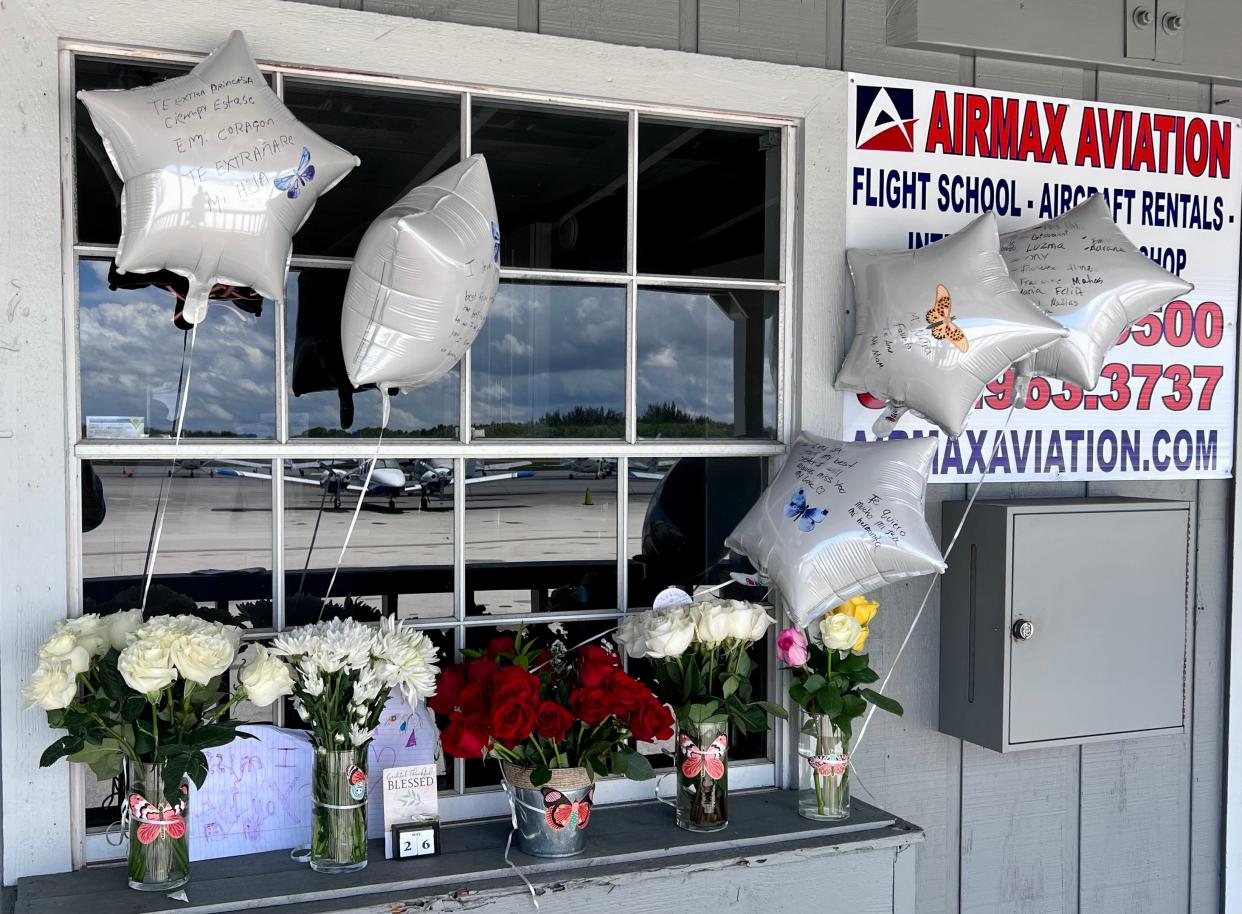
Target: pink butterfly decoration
column 154, row 820
column 710, row 759
column 826, row 765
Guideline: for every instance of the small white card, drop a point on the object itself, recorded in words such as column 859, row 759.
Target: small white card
column 410, row 795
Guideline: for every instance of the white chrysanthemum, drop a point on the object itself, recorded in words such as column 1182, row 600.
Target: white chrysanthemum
column 407, row 660
column 359, row 736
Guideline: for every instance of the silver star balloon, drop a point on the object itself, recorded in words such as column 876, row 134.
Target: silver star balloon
column 218, row 175
column 1083, row 271
column 935, row 325
column 841, row 519
column 423, row 281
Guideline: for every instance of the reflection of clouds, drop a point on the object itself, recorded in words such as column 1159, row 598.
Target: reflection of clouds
column 493, row 391
column 129, row 347
column 664, row 358
column 511, row 345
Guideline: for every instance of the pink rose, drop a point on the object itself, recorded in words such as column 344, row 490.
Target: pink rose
column 791, row 647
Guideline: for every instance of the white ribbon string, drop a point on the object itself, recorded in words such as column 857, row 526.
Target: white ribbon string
column 661, row 778
column 183, row 395
column 366, row 484
column 987, row 469
column 603, row 634
column 514, row 802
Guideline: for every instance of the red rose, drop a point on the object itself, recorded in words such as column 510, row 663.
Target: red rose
column 481, row 670
column 591, row 705
column 448, row 686
column 502, row 644
column 512, row 722
column 628, row 694
column 651, row 721
column 595, row 665
column 552, row 721
column 465, row 737
column 472, row 699
column 514, row 684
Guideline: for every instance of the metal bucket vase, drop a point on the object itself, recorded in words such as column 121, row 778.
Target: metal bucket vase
column 551, row 819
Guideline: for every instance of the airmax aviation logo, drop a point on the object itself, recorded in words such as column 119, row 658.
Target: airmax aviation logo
column 884, row 121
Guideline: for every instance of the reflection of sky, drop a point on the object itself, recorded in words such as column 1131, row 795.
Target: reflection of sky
column 545, row 347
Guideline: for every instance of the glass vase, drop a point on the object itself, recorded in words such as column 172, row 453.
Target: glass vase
column 159, row 839
column 339, row 810
column 824, row 770
column 702, row 776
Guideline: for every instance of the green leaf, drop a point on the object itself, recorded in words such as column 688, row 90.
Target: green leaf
column 828, row 701
column 799, row 694
column 866, row 674
column 814, row 683
column 63, row 747
column 744, row 664
column 133, row 707
column 729, row 686
column 105, row 759
column 852, row 705
column 883, row 702
column 540, row 776
column 774, row 709
column 808, row 726
column 638, row 767
column 850, row 663
column 210, row 736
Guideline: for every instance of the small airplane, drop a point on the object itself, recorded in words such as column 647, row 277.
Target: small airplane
column 388, row 480
column 603, row 467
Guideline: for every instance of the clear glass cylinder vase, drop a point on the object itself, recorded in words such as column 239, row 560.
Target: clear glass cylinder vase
column 339, row 811
column 824, row 770
column 702, row 776
column 159, row 839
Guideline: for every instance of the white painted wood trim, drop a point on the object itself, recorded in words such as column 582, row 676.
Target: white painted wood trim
column 1232, row 737
column 37, row 386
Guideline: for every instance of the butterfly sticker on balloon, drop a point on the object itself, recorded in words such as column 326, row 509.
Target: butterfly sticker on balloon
column 826, row 765
column 302, row 175
column 806, row 516
column 940, row 321
column 155, row 820
column 561, row 812
column 698, row 760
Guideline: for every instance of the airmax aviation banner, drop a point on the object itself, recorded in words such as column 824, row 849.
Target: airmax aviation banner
column 924, row 159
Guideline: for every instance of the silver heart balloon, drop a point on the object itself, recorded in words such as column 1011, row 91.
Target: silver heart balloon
column 218, row 175
column 423, row 281
column 1083, row 271
column 935, row 325
column 841, row 519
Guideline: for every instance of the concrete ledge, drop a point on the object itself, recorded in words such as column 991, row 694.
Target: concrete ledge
column 631, row 838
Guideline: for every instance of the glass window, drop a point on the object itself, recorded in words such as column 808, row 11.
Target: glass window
column 550, row 362
column 708, row 200
column 706, row 363
column 324, row 404
column 402, row 138
column 559, row 179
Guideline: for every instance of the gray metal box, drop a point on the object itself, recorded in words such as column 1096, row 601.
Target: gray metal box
column 1104, row 587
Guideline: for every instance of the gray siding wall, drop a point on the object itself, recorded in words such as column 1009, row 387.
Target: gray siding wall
column 1132, row 827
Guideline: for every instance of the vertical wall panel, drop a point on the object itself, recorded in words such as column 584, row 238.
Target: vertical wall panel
column 866, row 51
column 498, row 13
column 786, row 31
column 1020, row 76
column 650, row 23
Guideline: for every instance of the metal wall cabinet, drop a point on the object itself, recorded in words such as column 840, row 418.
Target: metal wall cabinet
column 1065, row 621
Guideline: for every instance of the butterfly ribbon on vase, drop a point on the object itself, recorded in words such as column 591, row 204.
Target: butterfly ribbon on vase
column 152, row 819
column 710, row 760
column 940, row 321
column 833, row 764
column 561, row 812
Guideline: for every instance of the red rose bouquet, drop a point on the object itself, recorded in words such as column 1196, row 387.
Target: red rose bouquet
column 548, row 710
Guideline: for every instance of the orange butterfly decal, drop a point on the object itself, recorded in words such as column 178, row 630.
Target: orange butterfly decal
column 940, row 320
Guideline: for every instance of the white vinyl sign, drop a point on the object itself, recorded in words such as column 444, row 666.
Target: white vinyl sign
column 924, row 159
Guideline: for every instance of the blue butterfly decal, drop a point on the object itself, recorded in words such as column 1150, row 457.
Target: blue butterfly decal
column 302, row 175
column 495, row 243
column 807, row 517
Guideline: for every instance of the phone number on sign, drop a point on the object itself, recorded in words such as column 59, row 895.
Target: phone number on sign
column 1176, row 387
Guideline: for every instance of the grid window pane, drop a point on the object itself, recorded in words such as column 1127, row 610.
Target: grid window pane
column 324, row 404
column 402, row 139
column 550, row 362
column 541, row 536
column 559, row 179
column 708, row 200
column 707, row 363
column 130, row 358
column 400, row 557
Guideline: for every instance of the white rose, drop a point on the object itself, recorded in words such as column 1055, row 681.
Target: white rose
column 669, row 635
column 90, row 632
column 201, row 656
column 52, row 686
column 63, row 647
column 711, row 622
column 265, row 678
column 748, row 621
column 233, row 633
column 146, row 666
column 631, row 636
column 121, row 625
column 838, row 632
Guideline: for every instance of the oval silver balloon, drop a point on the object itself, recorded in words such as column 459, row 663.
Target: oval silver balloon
column 218, row 175
column 935, row 325
column 1085, row 274
column 841, row 519
column 423, row 281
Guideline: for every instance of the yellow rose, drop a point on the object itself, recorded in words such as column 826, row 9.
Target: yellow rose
column 862, row 611
column 862, row 640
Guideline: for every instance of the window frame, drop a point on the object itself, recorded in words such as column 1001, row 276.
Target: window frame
column 461, row 802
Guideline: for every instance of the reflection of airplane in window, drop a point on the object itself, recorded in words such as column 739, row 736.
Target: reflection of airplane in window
column 603, row 467
column 388, row 480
